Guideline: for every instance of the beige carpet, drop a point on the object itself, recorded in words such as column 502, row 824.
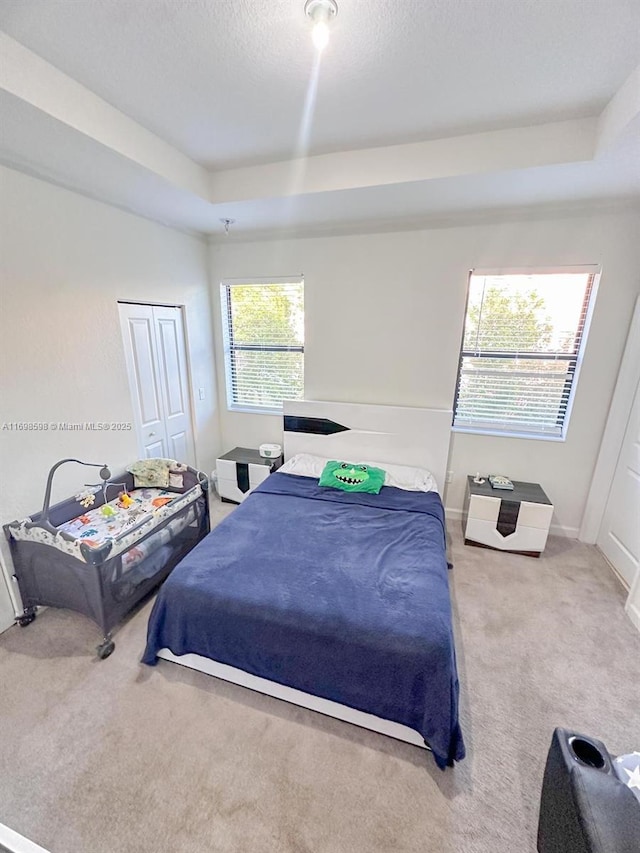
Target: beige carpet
column 114, row 757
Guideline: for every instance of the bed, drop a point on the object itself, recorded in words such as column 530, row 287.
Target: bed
column 333, row 600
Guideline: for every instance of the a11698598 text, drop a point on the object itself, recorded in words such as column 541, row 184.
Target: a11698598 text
column 66, row 426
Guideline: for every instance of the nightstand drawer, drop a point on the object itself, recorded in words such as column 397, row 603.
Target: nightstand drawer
column 522, row 539
column 529, row 514
column 236, row 488
column 484, row 508
column 535, row 515
column 240, row 470
column 227, row 470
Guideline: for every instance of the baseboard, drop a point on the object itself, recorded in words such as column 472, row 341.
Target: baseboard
column 634, row 615
column 453, row 514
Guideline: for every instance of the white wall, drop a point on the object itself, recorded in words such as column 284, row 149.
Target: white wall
column 401, row 296
column 65, row 261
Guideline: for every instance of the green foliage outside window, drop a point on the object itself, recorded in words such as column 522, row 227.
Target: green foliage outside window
column 266, row 343
column 511, row 321
column 519, row 352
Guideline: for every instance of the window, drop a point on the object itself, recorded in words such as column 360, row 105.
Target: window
column 521, row 351
column 263, row 325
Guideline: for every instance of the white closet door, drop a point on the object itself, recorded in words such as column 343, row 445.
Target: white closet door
column 156, row 359
column 619, row 537
column 174, row 382
column 140, row 352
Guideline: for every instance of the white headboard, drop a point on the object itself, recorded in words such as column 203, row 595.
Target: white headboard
column 352, row 431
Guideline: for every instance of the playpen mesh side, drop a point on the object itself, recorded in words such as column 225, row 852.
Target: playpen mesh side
column 105, row 592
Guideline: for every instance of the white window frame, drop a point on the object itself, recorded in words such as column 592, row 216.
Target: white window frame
column 227, row 343
column 593, row 270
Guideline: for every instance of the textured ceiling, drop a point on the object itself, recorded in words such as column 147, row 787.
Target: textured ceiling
column 225, row 80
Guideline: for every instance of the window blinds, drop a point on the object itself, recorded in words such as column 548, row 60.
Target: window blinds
column 264, row 337
column 521, row 347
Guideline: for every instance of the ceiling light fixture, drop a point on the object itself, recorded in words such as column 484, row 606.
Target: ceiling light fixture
column 321, row 12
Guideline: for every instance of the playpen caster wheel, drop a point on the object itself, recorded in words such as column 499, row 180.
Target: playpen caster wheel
column 105, row 649
column 25, row 619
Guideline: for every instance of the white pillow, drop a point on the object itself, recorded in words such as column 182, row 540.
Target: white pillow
column 399, row 476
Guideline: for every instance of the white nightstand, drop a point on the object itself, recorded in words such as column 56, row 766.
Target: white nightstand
column 240, row 471
column 516, row 521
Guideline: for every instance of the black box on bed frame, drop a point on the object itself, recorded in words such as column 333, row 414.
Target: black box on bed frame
column 105, row 582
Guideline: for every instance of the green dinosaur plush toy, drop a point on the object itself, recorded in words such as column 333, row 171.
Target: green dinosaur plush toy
column 351, row 477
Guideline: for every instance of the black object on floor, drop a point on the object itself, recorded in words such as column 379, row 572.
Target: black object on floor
column 584, row 807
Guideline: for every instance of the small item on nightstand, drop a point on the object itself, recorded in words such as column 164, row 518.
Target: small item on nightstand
column 270, row 451
column 478, row 479
column 498, row 481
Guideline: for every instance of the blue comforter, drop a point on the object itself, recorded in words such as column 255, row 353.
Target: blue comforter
column 341, row 595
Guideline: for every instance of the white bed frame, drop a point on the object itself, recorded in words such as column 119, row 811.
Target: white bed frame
column 16, row 843
column 392, row 434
